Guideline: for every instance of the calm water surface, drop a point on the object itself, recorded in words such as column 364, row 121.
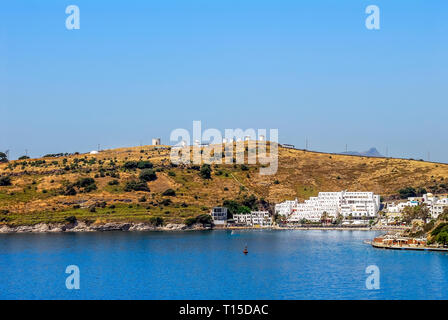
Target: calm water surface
column 210, row 265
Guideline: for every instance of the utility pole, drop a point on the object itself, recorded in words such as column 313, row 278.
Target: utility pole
column 346, row 148
column 387, row 152
column 98, row 147
column 306, row 144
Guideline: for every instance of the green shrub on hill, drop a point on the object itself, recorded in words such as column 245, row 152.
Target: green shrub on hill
column 86, row 185
column 169, row 192
column 147, row 175
column 205, row 171
column 144, row 165
column 5, row 181
column 3, row 157
column 156, row 221
column 113, row 182
column 202, row 218
column 134, row 185
column 131, row 165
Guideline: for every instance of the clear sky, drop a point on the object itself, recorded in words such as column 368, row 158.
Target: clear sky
column 139, row 69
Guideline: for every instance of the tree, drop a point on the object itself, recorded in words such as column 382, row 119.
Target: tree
column 232, row 207
column 169, row 192
column 421, row 191
column 417, row 212
column 3, row 157
column 444, row 215
column 144, row 165
column 202, row 218
column 156, row 221
column 243, row 209
column 129, row 165
column 324, row 217
column 407, row 192
column 71, row 219
column 407, row 215
column 86, row 184
column 442, row 237
column 205, row 171
column 113, row 182
column 69, row 191
column 136, row 186
column 148, row 175
column 166, row 202
column 423, row 212
column 339, row 219
column 250, row 201
column 5, row 181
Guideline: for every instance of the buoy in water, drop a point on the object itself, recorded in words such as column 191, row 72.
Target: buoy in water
column 245, row 250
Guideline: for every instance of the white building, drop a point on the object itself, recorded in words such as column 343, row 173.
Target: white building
column 253, row 219
column 358, row 205
column 394, row 211
column 435, row 203
column 219, row 215
column 437, row 207
column 398, row 208
column 156, row 141
column 285, row 208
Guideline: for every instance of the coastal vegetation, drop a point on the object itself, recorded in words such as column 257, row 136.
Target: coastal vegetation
column 439, row 232
column 204, row 219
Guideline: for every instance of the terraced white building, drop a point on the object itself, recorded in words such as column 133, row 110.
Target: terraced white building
column 358, row 205
column 254, row 218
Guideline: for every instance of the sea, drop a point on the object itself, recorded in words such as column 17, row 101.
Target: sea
column 279, row 265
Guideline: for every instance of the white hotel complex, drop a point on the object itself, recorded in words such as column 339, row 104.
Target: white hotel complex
column 359, row 205
column 253, row 219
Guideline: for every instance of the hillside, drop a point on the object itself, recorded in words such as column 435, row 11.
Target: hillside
column 55, row 189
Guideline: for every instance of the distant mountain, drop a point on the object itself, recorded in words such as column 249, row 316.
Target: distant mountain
column 372, row 152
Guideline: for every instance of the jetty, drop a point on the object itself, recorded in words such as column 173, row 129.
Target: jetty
column 401, row 243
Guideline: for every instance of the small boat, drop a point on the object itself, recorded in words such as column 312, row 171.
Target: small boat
column 245, row 250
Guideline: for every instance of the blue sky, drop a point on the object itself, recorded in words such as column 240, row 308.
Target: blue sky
column 139, row 69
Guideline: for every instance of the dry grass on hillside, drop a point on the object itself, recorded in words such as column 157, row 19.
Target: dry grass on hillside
column 35, row 193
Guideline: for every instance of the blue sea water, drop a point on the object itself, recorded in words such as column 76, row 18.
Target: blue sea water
column 294, row 264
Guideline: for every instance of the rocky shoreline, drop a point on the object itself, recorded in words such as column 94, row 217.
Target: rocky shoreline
column 112, row 226
column 79, row 226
